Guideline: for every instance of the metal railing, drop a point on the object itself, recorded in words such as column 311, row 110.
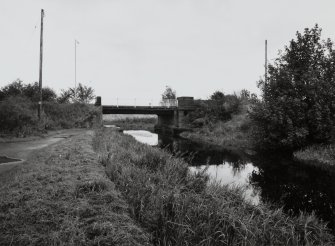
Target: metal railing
column 137, row 102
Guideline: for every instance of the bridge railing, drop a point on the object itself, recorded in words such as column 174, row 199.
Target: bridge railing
column 136, row 102
column 169, row 103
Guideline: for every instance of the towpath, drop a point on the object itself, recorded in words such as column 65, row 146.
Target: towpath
column 22, row 149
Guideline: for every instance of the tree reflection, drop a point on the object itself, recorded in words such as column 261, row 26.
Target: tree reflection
column 296, row 187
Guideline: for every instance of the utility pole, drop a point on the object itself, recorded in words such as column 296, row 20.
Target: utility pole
column 40, row 72
column 266, row 61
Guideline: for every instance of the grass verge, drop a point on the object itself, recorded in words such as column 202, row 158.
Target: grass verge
column 62, row 196
column 181, row 208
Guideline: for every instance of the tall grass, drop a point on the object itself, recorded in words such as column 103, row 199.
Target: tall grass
column 317, row 154
column 180, row 208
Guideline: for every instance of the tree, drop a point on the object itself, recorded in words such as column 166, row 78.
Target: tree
column 298, row 106
column 31, row 91
column 65, row 96
column 84, row 93
column 169, row 97
column 15, row 88
column 217, row 95
column 169, row 93
column 81, row 93
column 245, row 94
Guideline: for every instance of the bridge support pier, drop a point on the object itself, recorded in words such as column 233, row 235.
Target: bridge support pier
column 175, row 123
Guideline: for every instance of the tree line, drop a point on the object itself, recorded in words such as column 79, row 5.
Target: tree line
column 81, row 94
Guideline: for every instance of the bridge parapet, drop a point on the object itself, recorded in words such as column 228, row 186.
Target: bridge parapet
column 185, row 103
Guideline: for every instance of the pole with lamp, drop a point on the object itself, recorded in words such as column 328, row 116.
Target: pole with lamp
column 40, row 69
column 75, row 68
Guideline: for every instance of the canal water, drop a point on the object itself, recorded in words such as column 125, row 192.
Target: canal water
column 276, row 179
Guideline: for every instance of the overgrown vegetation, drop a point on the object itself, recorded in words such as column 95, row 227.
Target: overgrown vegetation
column 324, row 154
column 30, row 91
column 63, row 197
column 223, row 120
column 18, row 110
column 181, row 208
column 298, row 105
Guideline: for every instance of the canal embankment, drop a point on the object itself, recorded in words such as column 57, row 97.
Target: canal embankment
column 178, row 207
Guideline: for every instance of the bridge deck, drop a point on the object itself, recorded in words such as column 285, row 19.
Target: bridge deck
column 159, row 110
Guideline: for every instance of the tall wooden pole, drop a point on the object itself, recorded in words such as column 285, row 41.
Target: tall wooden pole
column 41, row 62
column 266, row 61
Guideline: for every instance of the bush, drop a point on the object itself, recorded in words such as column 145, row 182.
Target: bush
column 70, row 115
column 220, row 108
column 31, row 91
column 18, row 115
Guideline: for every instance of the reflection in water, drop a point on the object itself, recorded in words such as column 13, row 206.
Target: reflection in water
column 143, row 136
column 227, row 174
column 279, row 180
column 223, row 166
column 297, row 187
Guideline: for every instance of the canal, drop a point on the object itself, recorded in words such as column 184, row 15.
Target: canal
column 275, row 179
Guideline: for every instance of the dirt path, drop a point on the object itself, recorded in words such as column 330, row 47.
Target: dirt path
column 22, row 149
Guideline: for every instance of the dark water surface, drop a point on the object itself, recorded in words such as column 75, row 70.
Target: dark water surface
column 277, row 179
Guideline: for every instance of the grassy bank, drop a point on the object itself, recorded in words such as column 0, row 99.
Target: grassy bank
column 323, row 155
column 234, row 133
column 180, row 208
column 62, row 196
column 137, row 123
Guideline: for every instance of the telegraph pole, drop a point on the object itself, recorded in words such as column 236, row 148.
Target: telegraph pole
column 40, row 72
column 266, row 61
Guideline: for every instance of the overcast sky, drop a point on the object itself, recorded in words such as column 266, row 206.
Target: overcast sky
column 134, row 48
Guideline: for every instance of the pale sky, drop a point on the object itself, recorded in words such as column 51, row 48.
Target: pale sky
column 134, row 48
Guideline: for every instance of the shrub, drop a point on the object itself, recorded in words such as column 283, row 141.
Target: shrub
column 70, row 115
column 18, row 114
column 220, row 108
column 31, row 91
